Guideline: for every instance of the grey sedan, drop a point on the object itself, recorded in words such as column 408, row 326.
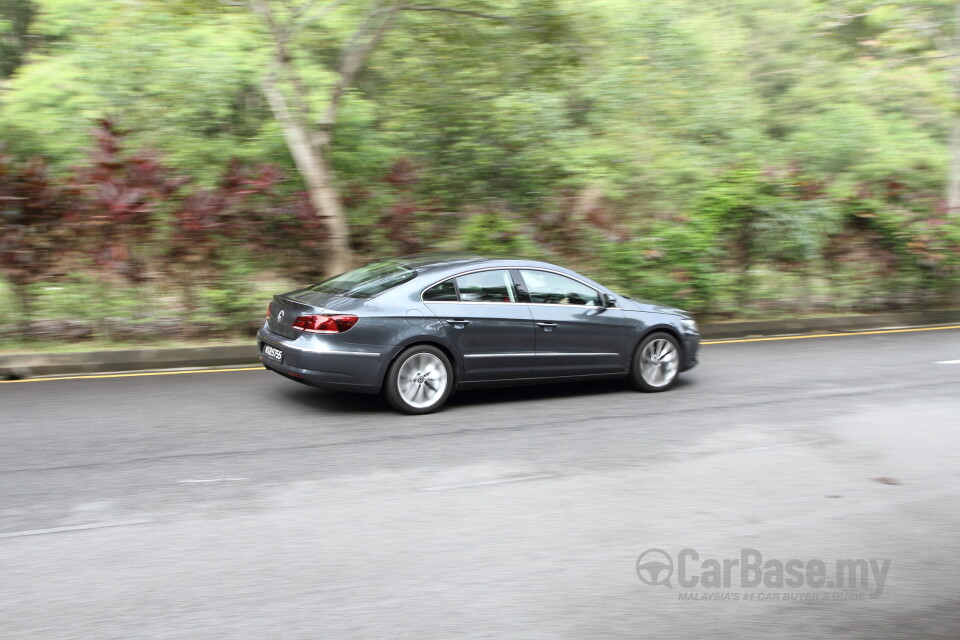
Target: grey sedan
column 418, row 327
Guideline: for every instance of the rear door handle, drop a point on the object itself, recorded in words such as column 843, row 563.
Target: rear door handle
column 547, row 326
column 458, row 324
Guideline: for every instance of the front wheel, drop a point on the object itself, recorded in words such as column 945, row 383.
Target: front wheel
column 419, row 380
column 656, row 363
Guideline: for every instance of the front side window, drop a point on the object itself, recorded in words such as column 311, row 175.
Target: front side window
column 545, row 287
column 487, row 286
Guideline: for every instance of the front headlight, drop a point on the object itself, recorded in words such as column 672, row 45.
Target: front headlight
column 690, row 325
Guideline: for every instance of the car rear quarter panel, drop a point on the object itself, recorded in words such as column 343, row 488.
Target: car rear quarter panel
column 397, row 320
column 387, row 325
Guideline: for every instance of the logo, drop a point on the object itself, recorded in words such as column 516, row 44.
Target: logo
column 654, row 567
column 763, row 579
column 280, row 316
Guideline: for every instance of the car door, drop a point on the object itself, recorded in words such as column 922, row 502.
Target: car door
column 575, row 333
column 491, row 328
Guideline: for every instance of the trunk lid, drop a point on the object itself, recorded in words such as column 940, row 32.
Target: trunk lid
column 283, row 311
column 287, row 307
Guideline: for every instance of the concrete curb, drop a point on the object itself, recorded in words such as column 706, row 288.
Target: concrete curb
column 18, row 365
column 741, row 329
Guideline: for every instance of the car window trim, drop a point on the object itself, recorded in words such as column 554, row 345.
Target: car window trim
column 561, row 304
column 522, row 294
column 456, row 291
column 517, row 269
column 509, row 277
column 457, row 287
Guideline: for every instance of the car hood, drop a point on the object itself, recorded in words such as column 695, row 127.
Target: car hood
column 634, row 304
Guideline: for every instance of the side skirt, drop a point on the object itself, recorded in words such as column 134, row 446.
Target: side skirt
column 518, row 382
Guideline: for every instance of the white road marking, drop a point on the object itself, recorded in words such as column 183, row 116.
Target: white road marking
column 485, row 483
column 948, row 362
column 76, row 527
column 211, row 480
column 783, row 445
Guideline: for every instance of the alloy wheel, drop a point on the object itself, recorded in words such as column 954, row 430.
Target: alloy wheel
column 422, row 380
column 659, row 362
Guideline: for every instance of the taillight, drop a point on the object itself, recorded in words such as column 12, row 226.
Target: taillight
column 324, row 324
column 268, row 311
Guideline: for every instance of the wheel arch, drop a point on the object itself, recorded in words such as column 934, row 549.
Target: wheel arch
column 420, row 341
column 660, row 328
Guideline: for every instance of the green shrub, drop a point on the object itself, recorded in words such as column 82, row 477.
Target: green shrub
column 496, row 233
column 670, row 263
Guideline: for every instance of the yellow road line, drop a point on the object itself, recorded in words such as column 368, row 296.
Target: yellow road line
column 831, row 335
column 707, row 342
column 130, row 375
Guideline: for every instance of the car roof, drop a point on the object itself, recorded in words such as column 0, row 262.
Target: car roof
column 439, row 265
column 434, row 262
column 423, row 261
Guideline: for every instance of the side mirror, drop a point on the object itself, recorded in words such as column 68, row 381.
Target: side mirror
column 609, row 300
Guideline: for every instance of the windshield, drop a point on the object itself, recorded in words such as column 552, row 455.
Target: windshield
column 367, row 281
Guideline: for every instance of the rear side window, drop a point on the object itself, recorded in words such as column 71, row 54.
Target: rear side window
column 487, row 286
column 446, row 291
column 367, row 281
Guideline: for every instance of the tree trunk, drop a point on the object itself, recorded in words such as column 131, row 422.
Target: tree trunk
column 321, row 189
column 306, row 148
column 953, row 182
column 745, row 284
column 326, row 200
column 308, row 140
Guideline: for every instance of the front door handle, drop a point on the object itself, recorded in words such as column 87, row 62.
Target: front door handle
column 547, row 326
column 458, row 324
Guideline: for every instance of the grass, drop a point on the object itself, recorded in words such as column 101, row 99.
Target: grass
column 100, row 315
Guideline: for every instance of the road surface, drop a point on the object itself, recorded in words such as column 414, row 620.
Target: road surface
column 238, row 504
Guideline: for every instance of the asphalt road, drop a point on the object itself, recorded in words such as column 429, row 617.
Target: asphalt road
column 238, row 504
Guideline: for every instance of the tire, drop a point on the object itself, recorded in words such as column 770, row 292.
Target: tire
column 656, row 363
column 419, row 381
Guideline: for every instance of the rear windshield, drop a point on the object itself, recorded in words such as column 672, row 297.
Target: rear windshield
column 367, row 281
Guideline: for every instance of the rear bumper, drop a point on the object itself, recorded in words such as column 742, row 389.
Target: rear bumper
column 322, row 362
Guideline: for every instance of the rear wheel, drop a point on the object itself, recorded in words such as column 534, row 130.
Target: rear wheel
column 419, row 380
column 656, row 363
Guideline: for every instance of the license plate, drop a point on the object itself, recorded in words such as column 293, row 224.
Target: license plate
column 273, row 353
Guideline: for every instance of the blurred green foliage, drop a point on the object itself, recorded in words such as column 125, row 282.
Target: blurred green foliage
column 744, row 158
column 495, row 233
